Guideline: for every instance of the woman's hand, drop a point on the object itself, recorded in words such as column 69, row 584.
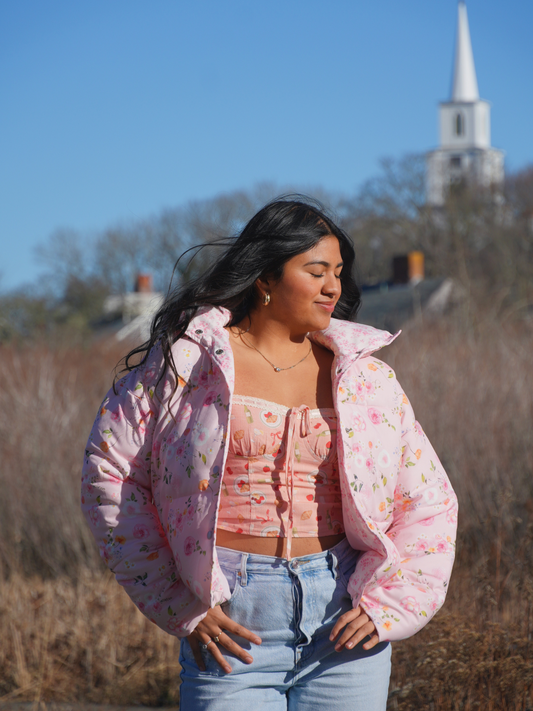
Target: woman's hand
column 213, row 627
column 357, row 625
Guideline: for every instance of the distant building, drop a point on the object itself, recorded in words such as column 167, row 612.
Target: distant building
column 465, row 155
column 132, row 313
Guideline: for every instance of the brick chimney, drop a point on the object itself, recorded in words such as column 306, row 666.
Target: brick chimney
column 408, row 268
column 143, row 284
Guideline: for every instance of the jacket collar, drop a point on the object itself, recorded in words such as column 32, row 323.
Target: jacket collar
column 348, row 341
column 207, row 329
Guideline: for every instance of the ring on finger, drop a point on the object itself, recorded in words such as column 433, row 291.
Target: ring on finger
column 216, row 639
column 205, row 646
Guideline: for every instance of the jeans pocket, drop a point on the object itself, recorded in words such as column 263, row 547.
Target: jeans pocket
column 233, row 576
column 189, row 665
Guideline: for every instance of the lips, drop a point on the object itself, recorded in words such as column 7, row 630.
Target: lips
column 326, row 305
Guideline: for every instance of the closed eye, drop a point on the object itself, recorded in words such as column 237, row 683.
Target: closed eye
column 318, row 276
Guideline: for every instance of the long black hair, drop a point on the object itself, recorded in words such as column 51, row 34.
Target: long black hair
column 281, row 230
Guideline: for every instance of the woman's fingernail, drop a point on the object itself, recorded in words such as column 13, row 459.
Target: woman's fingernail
column 337, row 648
column 257, row 640
column 248, row 660
column 349, row 645
column 227, row 669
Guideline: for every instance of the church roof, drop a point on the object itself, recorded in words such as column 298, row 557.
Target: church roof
column 464, row 86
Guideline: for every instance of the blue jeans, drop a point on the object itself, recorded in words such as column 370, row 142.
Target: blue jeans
column 292, row 605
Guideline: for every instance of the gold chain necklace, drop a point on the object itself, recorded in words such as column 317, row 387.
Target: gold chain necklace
column 276, row 367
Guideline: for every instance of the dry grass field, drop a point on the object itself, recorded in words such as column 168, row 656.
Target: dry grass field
column 69, row 633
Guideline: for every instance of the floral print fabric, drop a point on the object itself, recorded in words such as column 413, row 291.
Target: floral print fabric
column 281, row 476
column 151, row 482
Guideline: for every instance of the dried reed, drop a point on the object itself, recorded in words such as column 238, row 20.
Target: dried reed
column 68, row 632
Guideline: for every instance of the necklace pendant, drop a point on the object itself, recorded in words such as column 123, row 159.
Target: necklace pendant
column 277, row 370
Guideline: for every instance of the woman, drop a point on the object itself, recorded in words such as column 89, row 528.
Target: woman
column 259, row 484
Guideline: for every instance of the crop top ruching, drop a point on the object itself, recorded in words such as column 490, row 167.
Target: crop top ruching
column 281, row 477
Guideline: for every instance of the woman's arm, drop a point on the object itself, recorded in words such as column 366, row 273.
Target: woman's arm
column 403, row 596
column 117, row 501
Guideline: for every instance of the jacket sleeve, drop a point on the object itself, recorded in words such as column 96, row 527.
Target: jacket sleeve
column 404, row 593
column 118, row 504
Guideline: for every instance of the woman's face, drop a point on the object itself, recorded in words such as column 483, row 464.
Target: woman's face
column 305, row 296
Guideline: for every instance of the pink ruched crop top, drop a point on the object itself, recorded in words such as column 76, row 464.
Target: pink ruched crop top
column 281, row 477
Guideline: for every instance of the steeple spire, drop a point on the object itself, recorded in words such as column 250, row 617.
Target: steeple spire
column 464, row 75
column 465, row 156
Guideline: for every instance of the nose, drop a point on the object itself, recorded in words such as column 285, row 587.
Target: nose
column 332, row 286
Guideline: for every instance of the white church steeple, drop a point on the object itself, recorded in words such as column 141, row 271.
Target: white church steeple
column 465, row 154
column 464, row 72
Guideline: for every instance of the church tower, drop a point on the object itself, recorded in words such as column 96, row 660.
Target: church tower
column 465, row 154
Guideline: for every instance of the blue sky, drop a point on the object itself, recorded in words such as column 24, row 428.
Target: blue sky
column 112, row 110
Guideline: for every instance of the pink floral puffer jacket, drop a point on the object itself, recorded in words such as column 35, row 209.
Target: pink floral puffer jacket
column 154, row 463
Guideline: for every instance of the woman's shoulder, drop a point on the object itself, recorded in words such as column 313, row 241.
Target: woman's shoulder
column 372, row 365
column 155, row 373
column 185, row 347
column 373, row 381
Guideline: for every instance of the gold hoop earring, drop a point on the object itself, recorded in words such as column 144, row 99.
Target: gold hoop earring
column 266, row 299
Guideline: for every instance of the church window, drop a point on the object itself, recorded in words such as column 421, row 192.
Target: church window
column 455, row 161
column 459, row 124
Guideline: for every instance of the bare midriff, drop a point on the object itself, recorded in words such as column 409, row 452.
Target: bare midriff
column 276, row 546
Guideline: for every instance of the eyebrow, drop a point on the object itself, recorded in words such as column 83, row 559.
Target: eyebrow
column 324, row 264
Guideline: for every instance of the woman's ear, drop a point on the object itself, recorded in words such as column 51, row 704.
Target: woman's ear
column 263, row 286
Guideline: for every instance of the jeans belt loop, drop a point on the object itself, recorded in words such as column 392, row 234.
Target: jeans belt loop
column 333, row 563
column 244, row 580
